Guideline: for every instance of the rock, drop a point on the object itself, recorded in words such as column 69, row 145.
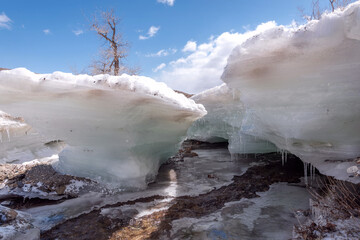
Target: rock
column 17, row 225
column 5, row 203
column 20, row 184
column 8, row 215
column 60, row 189
column 190, row 154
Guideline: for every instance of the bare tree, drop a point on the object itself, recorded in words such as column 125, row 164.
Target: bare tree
column 332, row 2
column 315, row 13
column 102, row 64
column 115, row 49
column 339, row 3
column 316, row 10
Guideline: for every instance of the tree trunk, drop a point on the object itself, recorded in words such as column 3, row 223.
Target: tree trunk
column 116, row 60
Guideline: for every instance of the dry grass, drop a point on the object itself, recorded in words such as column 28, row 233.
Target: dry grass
column 341, row 195
column 334, row 200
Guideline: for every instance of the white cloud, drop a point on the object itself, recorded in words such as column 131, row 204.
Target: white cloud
column 78, row 32
column 168, row 2
column 141, row 37
column 162, row 53
column 152, row 32
column 202, row 69
column 46, row 31
column 190, row 46
column 5, row 21
column 158, row 68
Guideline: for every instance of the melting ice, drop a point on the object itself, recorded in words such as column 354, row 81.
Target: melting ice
column 117, row 129
column 224, row 122
column 300, row 88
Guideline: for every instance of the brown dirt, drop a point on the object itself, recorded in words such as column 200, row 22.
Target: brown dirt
column 51, row 180
column 188, row 95
column 97, row 226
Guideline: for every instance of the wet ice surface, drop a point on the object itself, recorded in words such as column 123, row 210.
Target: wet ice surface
column 271, row 216
column 213, row 168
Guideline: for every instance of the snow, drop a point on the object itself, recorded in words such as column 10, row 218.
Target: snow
column 327, row 211
column 224, row 122
column 75, row 186
column 118, row 129
column 26, row 80
column 17, row 225
column 300, row 88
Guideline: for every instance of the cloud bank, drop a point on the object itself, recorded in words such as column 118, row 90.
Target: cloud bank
column 190, row 46
column 202, row 69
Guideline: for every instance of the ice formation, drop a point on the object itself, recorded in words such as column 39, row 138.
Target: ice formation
column 17, row 225
column 269, row 216
column 301, row 88
column 11, row 126
column 19, row 143
column 117, row 129
column 224, row 122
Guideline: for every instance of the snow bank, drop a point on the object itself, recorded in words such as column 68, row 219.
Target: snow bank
column 301, row 87
column 224, row 122
column 117, row 129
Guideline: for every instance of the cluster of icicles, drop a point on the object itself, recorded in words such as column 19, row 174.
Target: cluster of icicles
column 2, row 131
column 308, row 167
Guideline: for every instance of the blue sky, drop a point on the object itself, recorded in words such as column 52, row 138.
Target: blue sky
column 41, row 34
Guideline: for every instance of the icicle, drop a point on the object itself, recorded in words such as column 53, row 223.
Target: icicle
column 305, row 173
column 282, row 157
column 313, row 172
column 311, row 204
column 8, row 133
